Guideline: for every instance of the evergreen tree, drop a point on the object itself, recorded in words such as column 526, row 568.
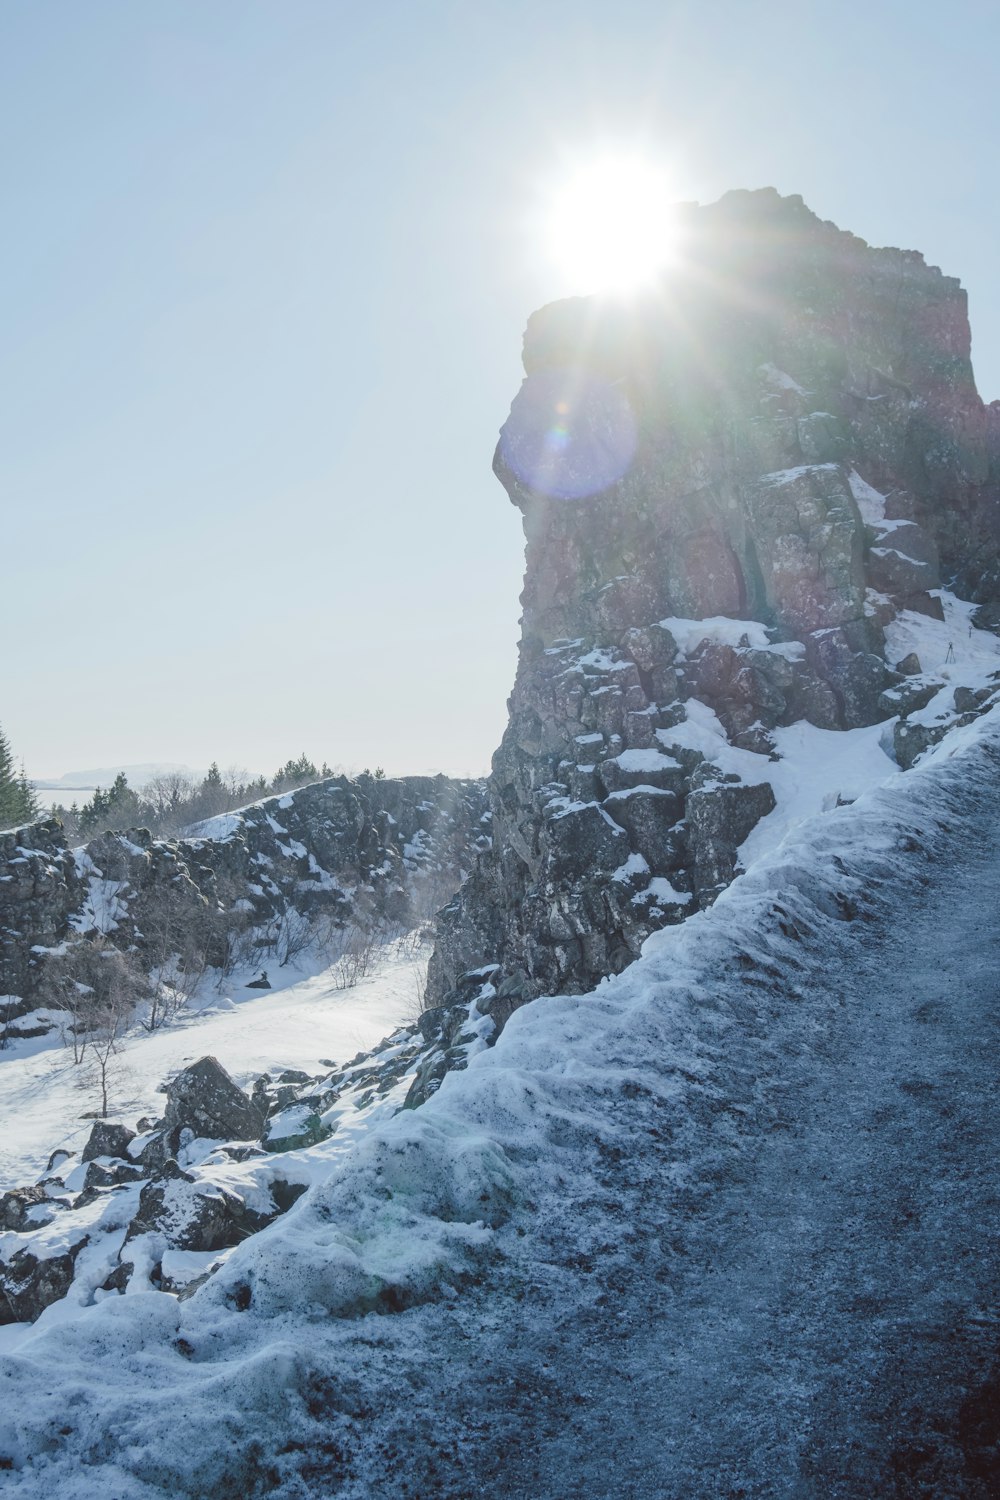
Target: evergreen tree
column 9, row 799
column 18, row 803
column 116, row 809
column 31, row 808
column 212, row 796
column 295, row 773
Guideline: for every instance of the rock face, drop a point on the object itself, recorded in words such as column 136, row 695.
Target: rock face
column 404, row 844
column 787, row 434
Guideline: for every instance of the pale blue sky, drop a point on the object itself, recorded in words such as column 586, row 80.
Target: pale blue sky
column 265, row 269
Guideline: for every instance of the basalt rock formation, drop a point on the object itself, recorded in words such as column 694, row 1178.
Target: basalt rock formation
column 397, row 848
column 786, row 434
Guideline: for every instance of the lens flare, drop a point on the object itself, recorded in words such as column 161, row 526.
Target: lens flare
column 569, row 435
column 612, row 226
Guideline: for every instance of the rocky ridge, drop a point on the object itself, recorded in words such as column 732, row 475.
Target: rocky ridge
column 729, row 490
column 393, row 848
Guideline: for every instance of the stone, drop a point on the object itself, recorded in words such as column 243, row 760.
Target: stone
column 294, row 1128
column 29, row 1284
column 719, row 818
column 971, row 700
column 107, row 1139
column 110, row 1173
column 823, row 438
column 17, row 1204
column 891, row 571
column 192, row 1216
column 204, row 1099
column 908, row 697
column 911, row 740
column 650, row 817
column 583, row 838
column 910, row 665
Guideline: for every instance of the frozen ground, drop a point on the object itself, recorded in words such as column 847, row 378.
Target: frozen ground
column 726, row 1227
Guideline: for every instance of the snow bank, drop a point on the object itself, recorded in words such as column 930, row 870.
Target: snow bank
column 146, row 1395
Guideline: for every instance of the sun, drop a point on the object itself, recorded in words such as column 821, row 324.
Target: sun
column 612, row 225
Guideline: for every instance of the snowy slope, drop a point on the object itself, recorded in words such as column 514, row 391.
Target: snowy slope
column 302, row 1022
column 597, row 1125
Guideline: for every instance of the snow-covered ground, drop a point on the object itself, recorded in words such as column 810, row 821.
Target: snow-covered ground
column 602, row 1259
column 304, row 1022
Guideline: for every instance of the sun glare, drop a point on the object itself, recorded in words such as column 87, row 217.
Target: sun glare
column 612, row 226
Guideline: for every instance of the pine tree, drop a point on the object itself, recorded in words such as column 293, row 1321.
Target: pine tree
column 31, row 808
column 117, row 809
column 211, row 797
column 18, row 803
column 295, row 773
column 9, row 800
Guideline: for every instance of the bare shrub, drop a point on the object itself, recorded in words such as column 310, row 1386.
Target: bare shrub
column 99, row 988
column 178, row 932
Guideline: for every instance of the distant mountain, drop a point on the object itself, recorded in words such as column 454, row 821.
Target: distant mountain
column 138, row 776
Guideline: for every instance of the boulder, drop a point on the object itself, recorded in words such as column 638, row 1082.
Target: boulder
column 294, row 1128
column 16, row 1206
column 204, row 1099
column 719, row 817
column 907, row 697
column 199, row 1215
column 107, row 1139
column 28, row 1284
column 911, row 740
column 650, row 818
column 190, row 1215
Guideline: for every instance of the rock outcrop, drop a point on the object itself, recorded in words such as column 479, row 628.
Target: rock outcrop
column 786, row 434
column 396, row 848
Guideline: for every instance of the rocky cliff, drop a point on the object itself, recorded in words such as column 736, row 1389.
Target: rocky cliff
column 396, row 848
column 729, row 490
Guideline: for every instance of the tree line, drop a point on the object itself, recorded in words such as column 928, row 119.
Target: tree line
column 166, row 805
column 175, row 800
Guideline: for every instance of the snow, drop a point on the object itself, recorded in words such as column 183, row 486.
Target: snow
column 789, row 476
column 634, row 866
column 818, row 770
column 702, row 732
column 780, row 379
column 952, row 650
column 103, row 905
column 301, row 1022
column 646, row 760
column 870, row 501
column 725, row 631
column 496, row 1216
column 221, row 827
column 683, row 1068
column 659, row 892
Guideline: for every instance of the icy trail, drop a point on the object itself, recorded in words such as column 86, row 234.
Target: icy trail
column 812, row 1307
column 836, row 1304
